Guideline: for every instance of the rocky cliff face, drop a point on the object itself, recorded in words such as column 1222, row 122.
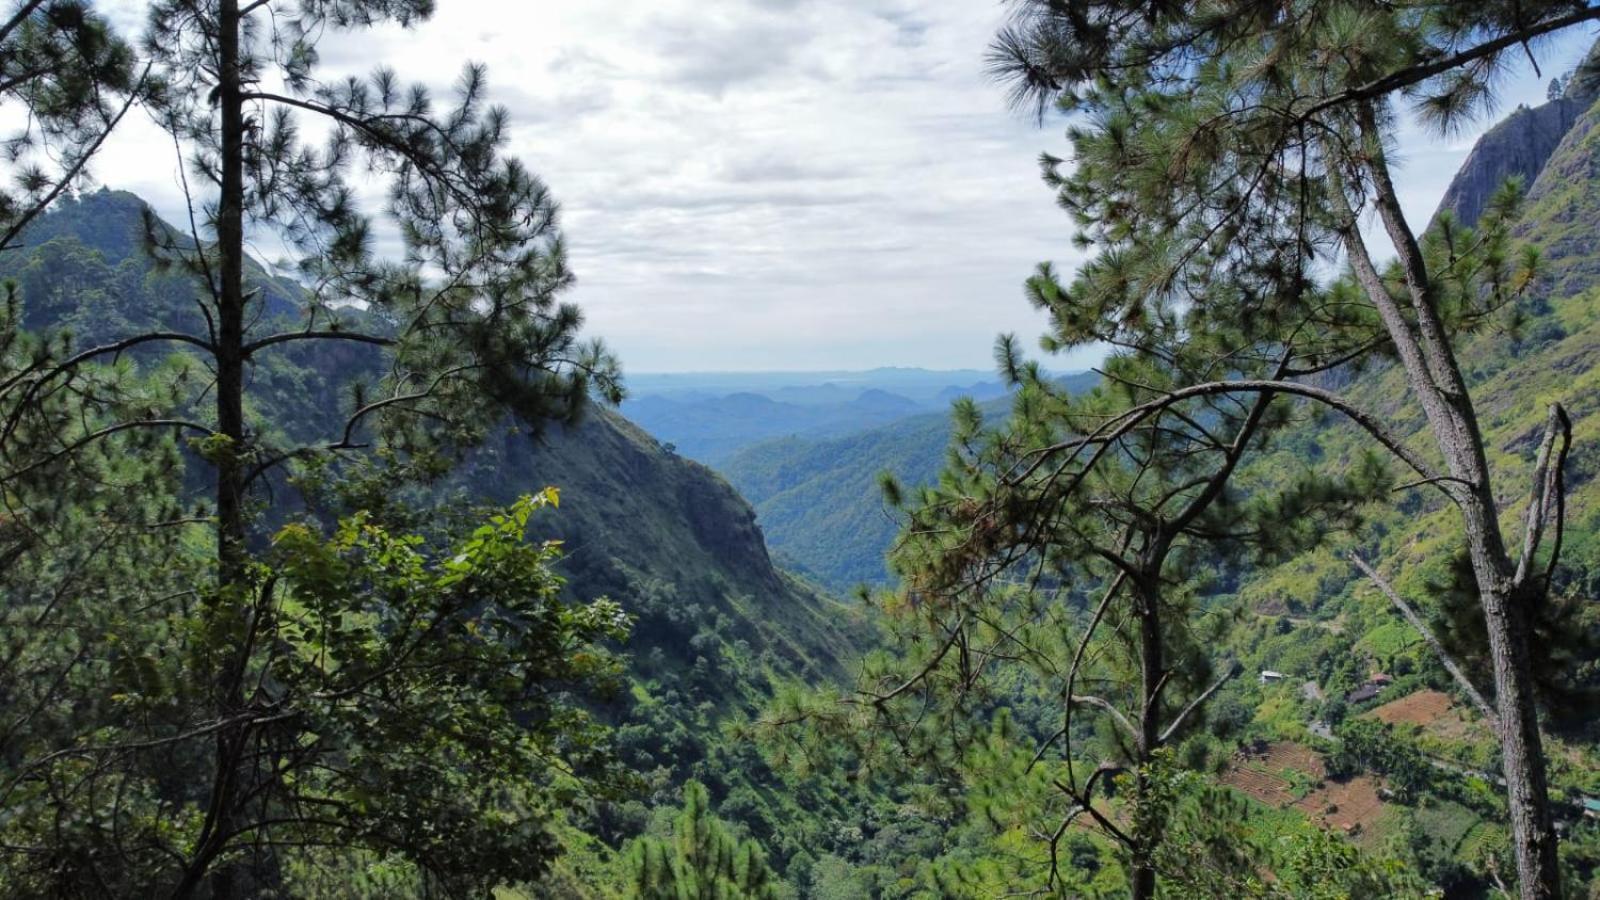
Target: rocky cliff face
column 640, row 522
column 1519, row 146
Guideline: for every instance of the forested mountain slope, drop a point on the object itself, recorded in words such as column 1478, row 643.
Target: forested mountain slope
column 818, row 499
column 716, row 622
column 642, row 524
column 663, row 535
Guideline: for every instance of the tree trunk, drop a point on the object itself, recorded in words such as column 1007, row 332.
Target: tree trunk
column 231, row 605
column 1435, row 377
column 230, row 307
column 1152, row 678
column 1521, row 748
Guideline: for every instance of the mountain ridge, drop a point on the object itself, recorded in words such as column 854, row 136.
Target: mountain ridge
column 642, row 510
column 1519, row 146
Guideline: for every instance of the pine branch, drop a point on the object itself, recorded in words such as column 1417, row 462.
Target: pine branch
column 1196, row 703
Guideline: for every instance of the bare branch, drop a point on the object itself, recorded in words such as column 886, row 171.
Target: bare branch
column 286, row 337
column 33, row 212
column 1405, row 78
column 1103, row 703
column 1422, row 628
column 1127, row 421
column 1196, row 703
column 1547, row 501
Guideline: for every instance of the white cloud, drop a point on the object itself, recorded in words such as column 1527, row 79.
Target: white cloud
column 764, row 183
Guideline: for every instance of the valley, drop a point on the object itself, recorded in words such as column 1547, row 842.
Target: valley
column 339, row 557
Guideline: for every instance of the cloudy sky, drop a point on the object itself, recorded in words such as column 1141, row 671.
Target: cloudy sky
column 769, row 184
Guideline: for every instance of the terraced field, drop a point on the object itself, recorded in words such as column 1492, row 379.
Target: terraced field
column 1435, row 713
column 1348, row 806
column 1271, row 773
column 1268, row 773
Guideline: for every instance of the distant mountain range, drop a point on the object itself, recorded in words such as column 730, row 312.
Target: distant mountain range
column 822, row 386
column 710, row 417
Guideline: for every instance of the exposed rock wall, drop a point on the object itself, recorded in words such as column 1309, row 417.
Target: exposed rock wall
column 1519, row 146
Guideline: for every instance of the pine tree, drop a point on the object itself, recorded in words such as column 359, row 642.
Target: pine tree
column 1267, row 129
column 1067, row 547
column 1044, row 532
column 292, row 736
column 702, row 862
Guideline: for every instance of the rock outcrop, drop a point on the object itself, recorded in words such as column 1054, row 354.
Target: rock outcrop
column 1519, row 146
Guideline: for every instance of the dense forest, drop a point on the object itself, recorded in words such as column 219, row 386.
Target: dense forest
column 352, row 574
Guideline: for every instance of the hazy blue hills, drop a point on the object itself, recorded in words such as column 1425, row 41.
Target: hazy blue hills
column 711, row 429
column 709, row 417
column 820, row 386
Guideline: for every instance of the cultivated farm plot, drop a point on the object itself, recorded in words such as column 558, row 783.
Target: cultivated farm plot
column 1421, row 708
column 1271, row 788
column 1447, row 823
column 1349, row 806
column 1269, row 774
column 1432, row 711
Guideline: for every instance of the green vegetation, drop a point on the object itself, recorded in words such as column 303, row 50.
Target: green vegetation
column 701, row 862
column 818, row 500
column 287, row 607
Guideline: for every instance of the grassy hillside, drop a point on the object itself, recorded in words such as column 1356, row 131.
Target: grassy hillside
column 1562, row 210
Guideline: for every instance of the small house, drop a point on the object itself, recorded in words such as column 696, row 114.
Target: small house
column 1268, row 676
column 1368, row 691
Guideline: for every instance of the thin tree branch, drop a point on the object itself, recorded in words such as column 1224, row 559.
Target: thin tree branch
column 1404, row 78
column 1548, row 488
column 77, row 166
column 286, row 337
column 1422, row 628
column 1196, row 703
column 1103, row 703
